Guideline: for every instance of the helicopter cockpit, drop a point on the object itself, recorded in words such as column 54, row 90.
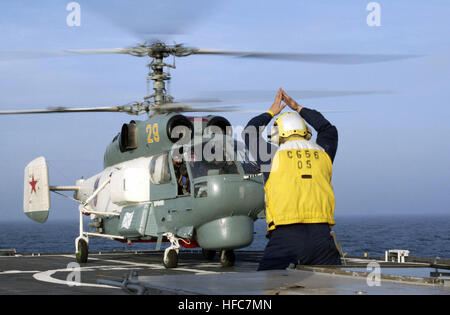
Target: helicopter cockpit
column 216, row 163
column 189, row 168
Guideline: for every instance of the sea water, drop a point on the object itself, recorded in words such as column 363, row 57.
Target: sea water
column 424, row 236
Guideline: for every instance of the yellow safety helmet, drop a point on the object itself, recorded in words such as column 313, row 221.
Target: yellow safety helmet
column 289, row 124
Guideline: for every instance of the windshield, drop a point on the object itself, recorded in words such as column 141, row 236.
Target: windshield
column 249, row 166
column 215, row 157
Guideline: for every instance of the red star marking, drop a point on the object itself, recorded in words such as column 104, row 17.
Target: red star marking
column 33, row 185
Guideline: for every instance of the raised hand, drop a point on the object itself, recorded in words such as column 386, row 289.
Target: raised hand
column 277, row 107
column 290, row 101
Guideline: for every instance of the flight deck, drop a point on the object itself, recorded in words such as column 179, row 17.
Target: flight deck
column 141, row 272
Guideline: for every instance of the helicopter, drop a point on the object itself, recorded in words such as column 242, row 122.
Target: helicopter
column 157, row 185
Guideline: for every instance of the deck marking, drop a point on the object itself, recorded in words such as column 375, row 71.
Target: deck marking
column 46, row 276
column 10, row 272
column 152, row 266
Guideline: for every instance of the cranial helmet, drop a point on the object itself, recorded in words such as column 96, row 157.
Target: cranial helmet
column 289, row 124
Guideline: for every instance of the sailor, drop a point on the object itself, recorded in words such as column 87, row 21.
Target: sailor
column 299, row 195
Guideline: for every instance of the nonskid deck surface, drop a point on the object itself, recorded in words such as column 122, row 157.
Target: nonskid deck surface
column 56, row 273
column 59, row 274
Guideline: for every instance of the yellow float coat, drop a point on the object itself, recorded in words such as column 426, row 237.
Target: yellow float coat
column 299, row 187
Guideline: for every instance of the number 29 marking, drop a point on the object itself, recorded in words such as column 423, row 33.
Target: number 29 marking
column 152, row 133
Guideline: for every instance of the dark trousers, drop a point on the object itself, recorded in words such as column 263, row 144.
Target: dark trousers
column 304, row 244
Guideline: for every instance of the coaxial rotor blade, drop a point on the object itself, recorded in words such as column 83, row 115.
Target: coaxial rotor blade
column 254, row 96
column 67, row 110
column 135, row 108
column 254, row 111
column 337, row 58
column 181, row 107
column 176, row 107
column 99, row 51
column 200, row 100
column 180, row 51
column 23, row 54
column 225, row 109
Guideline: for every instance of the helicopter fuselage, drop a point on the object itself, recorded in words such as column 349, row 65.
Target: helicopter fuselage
column 213, row 204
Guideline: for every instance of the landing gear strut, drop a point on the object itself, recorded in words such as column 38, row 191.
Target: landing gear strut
column 81, row 245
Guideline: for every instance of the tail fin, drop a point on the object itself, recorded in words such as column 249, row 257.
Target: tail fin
column 36, row 193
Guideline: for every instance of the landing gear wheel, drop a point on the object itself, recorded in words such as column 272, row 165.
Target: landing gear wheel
column 208, row 254
column 170, row 259
column 227, row 258
column 83, row 251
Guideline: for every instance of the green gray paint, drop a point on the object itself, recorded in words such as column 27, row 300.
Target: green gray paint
column 226, row 233
column 114, row 155
column 222, row 220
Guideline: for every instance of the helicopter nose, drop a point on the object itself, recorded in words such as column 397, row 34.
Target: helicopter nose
column 228, row 206
column 230, row 195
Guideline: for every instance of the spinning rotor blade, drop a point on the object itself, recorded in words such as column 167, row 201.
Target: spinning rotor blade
column 190, row 108
column 99, row 51
column 20, row 54
column 345, row 59
column 181, row 51
column 255, row 96
column 254, row 111
column 342, row 59
column 67, row 110
column 132, row 109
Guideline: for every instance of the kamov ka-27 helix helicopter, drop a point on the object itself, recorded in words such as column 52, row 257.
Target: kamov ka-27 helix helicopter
column 156, row 186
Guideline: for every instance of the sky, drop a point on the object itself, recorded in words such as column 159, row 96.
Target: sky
column 393, row 147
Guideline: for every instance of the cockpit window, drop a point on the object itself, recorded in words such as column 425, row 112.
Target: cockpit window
column 215, row 157
column 205, row 168
column 249, row 166
column 159, row 169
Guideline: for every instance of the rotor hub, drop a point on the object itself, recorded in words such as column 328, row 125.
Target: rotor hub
column 158, row 51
